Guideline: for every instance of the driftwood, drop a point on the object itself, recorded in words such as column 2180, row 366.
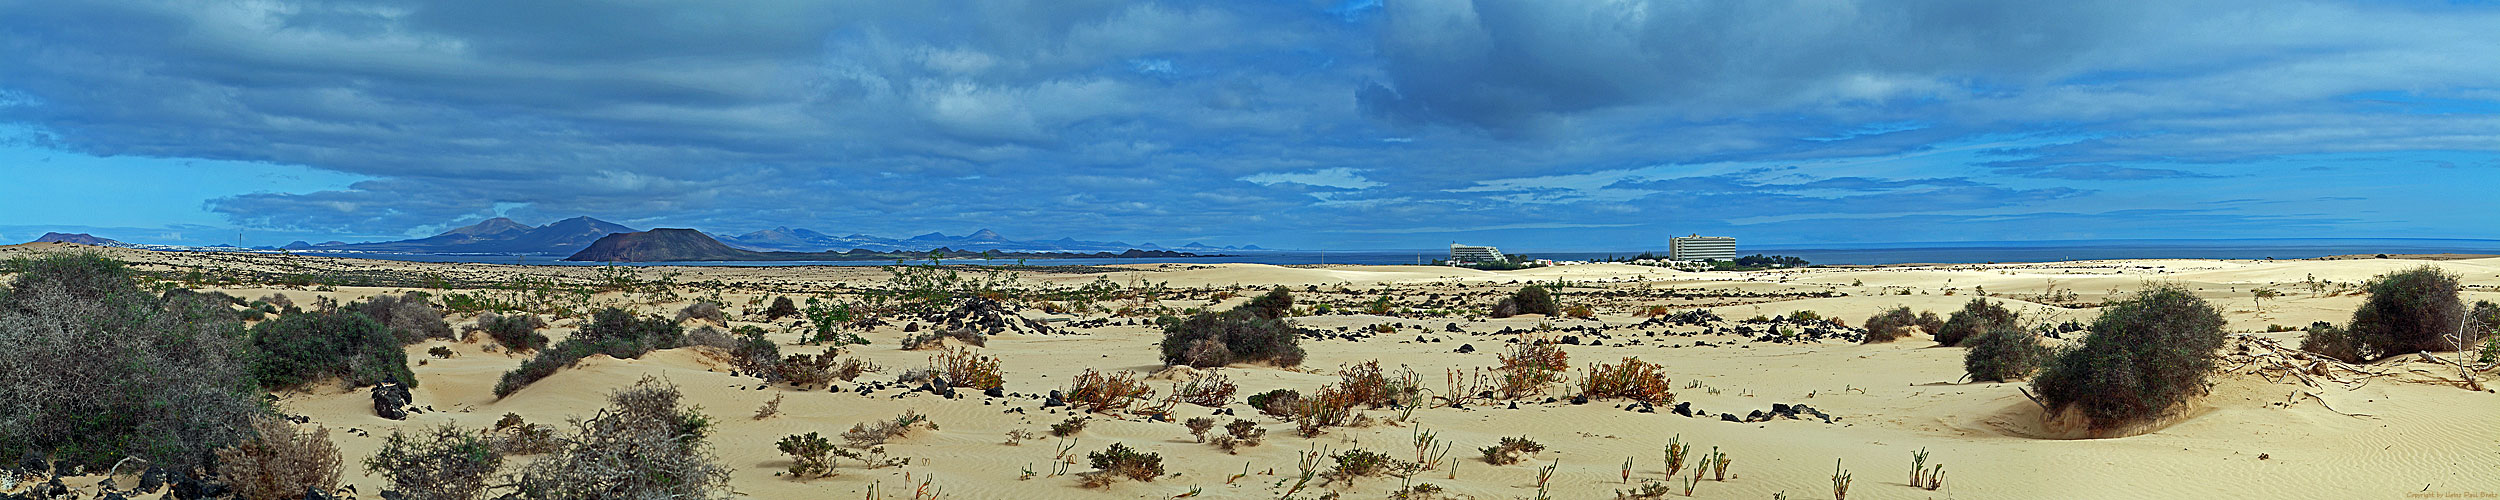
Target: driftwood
column 2322, row 404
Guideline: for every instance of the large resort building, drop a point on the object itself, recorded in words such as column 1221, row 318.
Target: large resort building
column 1698, row 248
column 1470, row 253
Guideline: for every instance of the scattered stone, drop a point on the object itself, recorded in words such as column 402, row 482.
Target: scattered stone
column 391, row 401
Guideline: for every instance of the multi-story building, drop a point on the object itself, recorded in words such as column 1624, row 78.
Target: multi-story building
column 1469, row 253
column 1698, row 247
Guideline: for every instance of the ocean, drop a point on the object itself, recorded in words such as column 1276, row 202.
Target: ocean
column 1860, row 254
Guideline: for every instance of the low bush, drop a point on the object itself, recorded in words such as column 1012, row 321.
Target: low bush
column 439, row 463
column 2414, row 310
column 1529, row 367
column 2146, row 356
column 302, row 348
column 513, row 436
column 1096, row 392
column 1889, row 325
column 805, row 371
column 873, row 434
column 1531, row 299
column 2325, row 339
column 782, row 308
column 611, row 331
column 811, row 455
column 1242, row 335
column 279, row 462
column 706, row 311
column 1634, row 379
column 1074, row 424
column 643, row 445
column 751, row 352
column 934, row 338
column 1510, row 450
column 1371, row 386
column 1929, row 322
column 516, row 332
column 410, row 317
column 96, row 369
column 1330, row 406
column 1277, row 403
column 1240, row 434
column 1120, row 460
column 1277, row 303
column 1208, row 388
column 1360, row 463
column 962, row 367
column 2003, row 354
column 1976, row 317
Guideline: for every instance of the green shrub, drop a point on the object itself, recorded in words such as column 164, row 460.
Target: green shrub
column 302, row 348
column 410, row 316
column 2409, row 311
column 2003, row 354
column 1246, row 334
column 2325, row 339
column 2146, row 356
column 1976, row 317
column 1889, row 325
column 781, row 308
column 95, row 369
column 439, row 463
column 1122, row 461
column 1277, row 303
column 1528, row 300
column 517, row 332
column 611, row 331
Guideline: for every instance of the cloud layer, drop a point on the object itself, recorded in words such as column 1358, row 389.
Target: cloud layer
column 1557, row 124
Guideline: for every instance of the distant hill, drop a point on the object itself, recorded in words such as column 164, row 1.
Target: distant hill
column 79, row 238
column 497, row 235
column 683, row 245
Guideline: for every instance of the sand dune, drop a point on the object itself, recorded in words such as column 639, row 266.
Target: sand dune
column 2251, row 438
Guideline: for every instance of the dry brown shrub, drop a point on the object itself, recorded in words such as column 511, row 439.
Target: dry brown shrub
column 964, row 368
column 1208, row 388
column 280, row 462
column 1095, row 392
column 1634, row 379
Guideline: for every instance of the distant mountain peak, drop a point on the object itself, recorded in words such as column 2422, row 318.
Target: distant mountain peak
column 984, row 234
column 78, row 238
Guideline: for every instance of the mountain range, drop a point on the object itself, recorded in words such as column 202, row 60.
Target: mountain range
column 680, row 245
column 566, row 237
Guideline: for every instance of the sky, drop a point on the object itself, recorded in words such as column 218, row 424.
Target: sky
column 1337, row 124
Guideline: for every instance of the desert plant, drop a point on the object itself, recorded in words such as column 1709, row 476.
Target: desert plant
column 1359, row 463
column 1330, row 406
column 1510, row 450
column 962, row 367
column 1119, row 460
column 935, row 338
column 1065, row 428
column 872, row 434
column 1239, row 434
column 1242, row 335
column 2327, row 340
column 1840, row 481
column 1207, row 388
column 1634, row 379
column 1277, row 303
column 1371, row 386
column 781, row 308
column 410, row 317
column 2003, row 354
column 1921, row 476
column 1099, row 393
column 1675, row 454
column 1277, row 403
column 612, row 331
column 1529, row 367
column 516, row 332
column 96, row 369
column 1891, row 324
column 2408, row 311
column 1531, row 299
column 811, row 455
column 1199, row 426
column 769, row 409
column 2145, row 356
column 513, row 436
column 1718, row 464
column 1976, row 317
column 438, row 463
column 701, row 310
column 643, row 445
column 279, row 462
column 303, row 348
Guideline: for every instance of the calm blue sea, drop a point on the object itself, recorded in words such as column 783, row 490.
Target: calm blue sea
column 1890, row 253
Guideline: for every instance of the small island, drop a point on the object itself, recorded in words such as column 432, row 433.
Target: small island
column 688, row 245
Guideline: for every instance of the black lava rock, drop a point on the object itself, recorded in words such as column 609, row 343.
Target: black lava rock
column 1466, row 348
column 391, row 401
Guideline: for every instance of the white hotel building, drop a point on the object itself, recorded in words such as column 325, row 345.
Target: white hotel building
column 1469, row 253
column 1698, row 248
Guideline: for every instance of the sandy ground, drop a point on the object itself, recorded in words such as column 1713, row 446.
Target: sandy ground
column 2418, row 436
